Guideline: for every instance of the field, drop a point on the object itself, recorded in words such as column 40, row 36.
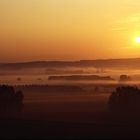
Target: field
column 67, row 116
column 66, row 109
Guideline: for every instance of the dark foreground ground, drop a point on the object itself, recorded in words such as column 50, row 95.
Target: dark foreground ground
column 68, row 117
column 68, row 120
column 28, row 129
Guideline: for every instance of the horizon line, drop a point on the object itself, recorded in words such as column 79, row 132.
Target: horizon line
column 78, row 60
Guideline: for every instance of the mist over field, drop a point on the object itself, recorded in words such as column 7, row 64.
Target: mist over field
column 41, row 75
column 68, row 94
column 95, row 85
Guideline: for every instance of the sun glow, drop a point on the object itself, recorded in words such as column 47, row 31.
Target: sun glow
column 137, row 40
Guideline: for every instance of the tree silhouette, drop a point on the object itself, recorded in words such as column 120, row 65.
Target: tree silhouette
column 11, row 102
column 125, row 101
column 125, row 78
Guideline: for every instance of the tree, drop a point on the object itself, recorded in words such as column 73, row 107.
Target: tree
column 125, row 101
column 124, row 78
column 11, row 102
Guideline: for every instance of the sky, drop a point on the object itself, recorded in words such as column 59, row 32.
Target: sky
column 68, row 29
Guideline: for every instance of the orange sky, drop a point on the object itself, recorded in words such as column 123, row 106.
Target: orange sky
column 68, row 29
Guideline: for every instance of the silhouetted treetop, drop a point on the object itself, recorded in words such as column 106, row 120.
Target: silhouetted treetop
column 10, row 101
column 124, row 78
column 125, row 100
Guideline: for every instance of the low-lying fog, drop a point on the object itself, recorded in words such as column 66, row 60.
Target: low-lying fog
column 40, row 76
column 85, row 106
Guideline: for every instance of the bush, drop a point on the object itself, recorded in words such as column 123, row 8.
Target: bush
column 11, row 102
column 125, row 78
column 125, row 101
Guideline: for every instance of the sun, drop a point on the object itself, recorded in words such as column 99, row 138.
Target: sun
column 137, row 40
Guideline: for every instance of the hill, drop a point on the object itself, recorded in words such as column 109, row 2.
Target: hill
column 99, row 63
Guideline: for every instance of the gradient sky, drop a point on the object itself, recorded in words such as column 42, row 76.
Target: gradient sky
column 68, row 29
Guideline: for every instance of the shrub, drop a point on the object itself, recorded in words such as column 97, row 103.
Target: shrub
column 125, row 100
column 11, row 102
